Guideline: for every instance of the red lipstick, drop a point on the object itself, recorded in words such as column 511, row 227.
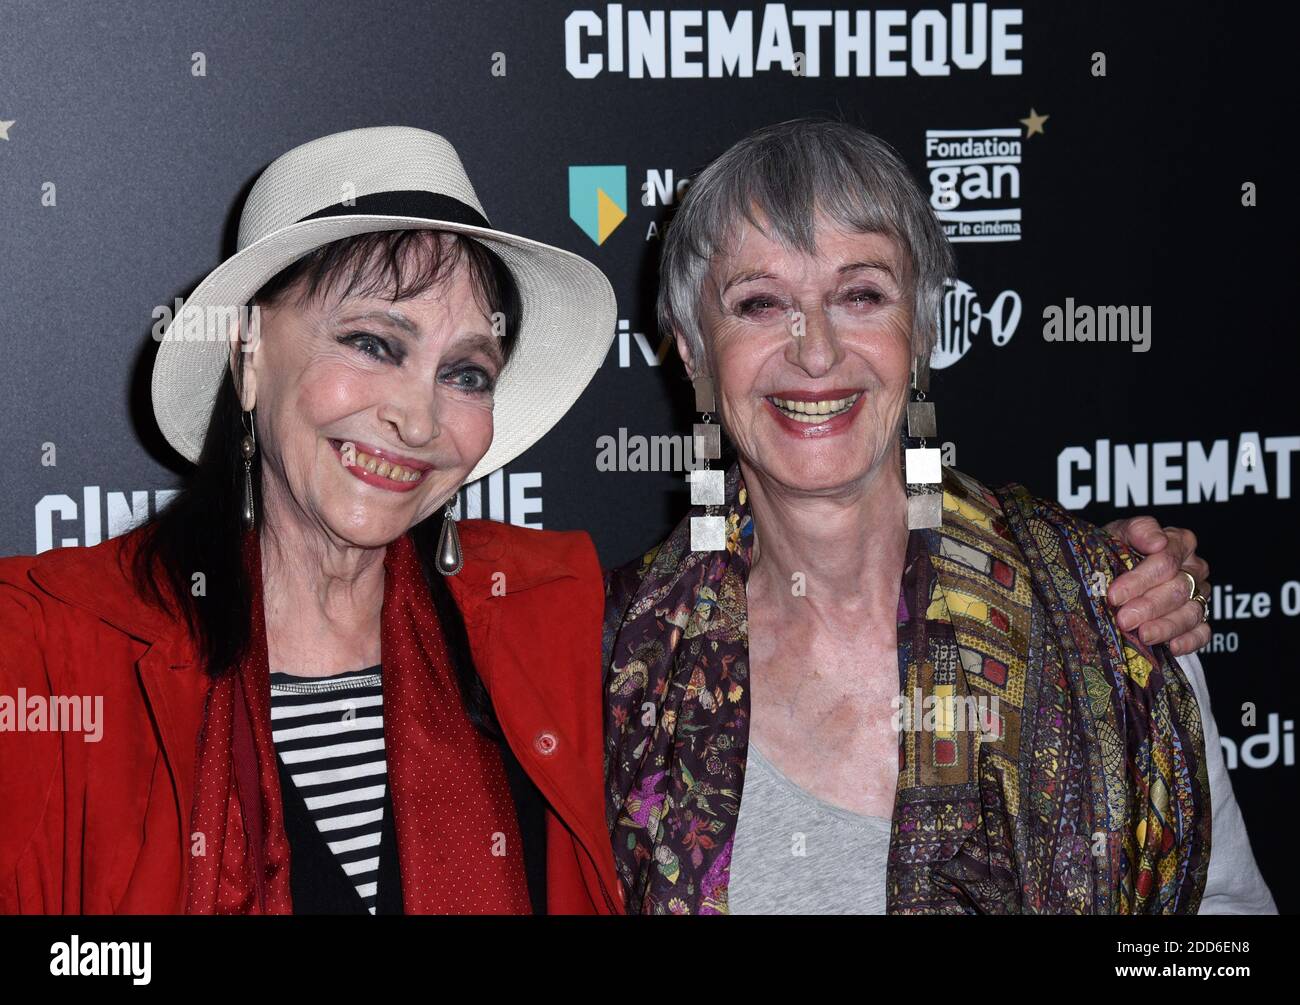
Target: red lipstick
column 829, row 426
column 392, row 457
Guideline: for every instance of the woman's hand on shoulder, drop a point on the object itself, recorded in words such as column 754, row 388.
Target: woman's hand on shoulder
column 1152, row 597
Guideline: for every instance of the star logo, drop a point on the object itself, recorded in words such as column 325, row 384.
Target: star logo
column 4, row 128
column 1034, row 124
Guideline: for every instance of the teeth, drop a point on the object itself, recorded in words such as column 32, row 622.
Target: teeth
column 814, row 411
column 386, row 469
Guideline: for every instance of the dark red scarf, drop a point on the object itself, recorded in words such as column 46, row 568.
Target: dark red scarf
column 450, row 795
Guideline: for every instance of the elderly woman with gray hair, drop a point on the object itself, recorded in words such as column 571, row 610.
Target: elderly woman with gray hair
column 929, row 693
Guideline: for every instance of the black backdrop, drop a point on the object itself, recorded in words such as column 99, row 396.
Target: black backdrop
column 138, row 127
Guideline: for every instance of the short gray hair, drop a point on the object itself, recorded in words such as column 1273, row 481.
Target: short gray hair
column 788, row 172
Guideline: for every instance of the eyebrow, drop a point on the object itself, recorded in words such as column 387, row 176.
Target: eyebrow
column 475, row 340
column 393, row 317
column 872, row 264
column 489, row 344
column 745, row 277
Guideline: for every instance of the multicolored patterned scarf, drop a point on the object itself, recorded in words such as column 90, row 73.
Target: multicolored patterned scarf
column 449, row 786
column 1083, row 789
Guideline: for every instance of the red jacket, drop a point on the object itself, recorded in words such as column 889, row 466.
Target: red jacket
column 103, row 827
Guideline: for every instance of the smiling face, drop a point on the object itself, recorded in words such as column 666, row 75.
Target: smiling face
column 345, row 388
column 810, row 355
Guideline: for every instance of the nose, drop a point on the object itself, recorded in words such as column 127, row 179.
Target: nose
column 814, row 346
column 412, row 414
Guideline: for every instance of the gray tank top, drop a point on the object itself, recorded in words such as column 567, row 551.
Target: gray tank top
column 795, row 854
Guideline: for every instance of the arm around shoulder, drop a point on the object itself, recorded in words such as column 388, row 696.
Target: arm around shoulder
column 1234, row 884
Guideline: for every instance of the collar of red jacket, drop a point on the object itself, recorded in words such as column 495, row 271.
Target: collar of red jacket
column 492, row 569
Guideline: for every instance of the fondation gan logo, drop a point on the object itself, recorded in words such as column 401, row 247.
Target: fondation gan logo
column 598, row 198
column 975, row 182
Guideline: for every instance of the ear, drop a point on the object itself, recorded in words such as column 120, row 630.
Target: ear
column 684, row 351
column 244, row 358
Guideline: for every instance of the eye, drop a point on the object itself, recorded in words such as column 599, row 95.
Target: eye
column 759, row 307
column 371, row 345
column 472, row 378
column 864, row 295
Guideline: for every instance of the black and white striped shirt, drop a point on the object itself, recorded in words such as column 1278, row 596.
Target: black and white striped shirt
column 329, row 733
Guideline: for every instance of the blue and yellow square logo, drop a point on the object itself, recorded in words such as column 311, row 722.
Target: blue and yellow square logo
column 598, row 198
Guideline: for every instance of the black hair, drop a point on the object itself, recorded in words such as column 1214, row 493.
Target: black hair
column 200, row 529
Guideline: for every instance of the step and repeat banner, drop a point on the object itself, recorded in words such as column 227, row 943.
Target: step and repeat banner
column 1119, row 334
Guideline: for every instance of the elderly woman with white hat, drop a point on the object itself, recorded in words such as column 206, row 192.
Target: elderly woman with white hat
column 318, row 696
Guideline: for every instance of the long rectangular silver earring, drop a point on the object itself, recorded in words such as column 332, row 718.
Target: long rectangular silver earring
column 923, row 466
column 708, row 533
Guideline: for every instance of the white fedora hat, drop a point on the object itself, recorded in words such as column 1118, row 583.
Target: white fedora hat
column 392, row 178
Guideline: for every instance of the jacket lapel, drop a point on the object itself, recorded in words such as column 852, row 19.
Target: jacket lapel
column 518, row 604
column 93, row 579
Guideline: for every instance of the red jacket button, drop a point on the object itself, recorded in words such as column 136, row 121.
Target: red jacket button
column 546, row 742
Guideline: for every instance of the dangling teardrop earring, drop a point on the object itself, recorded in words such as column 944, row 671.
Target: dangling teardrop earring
column 247, row 448
column 450, row 559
